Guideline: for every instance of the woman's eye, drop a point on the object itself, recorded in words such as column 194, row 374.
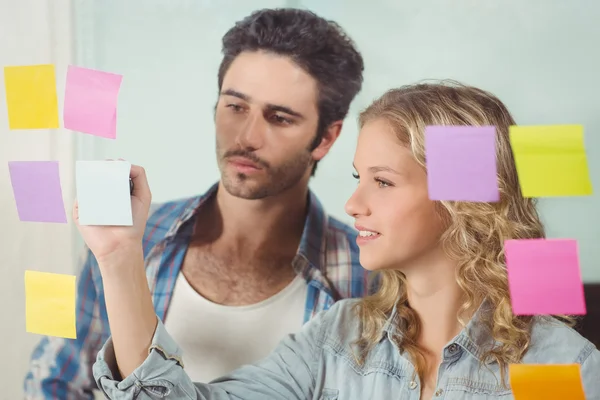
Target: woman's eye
column 381, row 183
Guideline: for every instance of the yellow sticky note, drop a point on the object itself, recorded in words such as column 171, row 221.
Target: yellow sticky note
column 50, row 304
column 31, row 97
column 551, row 160
column 546, row 382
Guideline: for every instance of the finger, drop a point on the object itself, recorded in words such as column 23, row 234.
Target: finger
column 140, row 182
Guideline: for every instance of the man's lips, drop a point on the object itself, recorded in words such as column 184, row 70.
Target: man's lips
column 243, row 162
column 244, row 165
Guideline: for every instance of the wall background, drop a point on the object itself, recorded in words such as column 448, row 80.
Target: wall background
column 540, row 57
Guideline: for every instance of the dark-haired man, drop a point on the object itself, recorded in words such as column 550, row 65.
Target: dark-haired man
column 236, row 269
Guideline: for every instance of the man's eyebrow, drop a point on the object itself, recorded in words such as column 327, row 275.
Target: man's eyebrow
column 235, row 93
column 271, row 107
column 287, row 110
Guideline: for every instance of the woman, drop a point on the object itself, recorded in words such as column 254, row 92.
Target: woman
column 441, row 324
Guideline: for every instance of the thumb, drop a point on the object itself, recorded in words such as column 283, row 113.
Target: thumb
column 141, row 189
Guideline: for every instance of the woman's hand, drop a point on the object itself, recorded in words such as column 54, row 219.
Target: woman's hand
column 111, row 243
column 118, row 250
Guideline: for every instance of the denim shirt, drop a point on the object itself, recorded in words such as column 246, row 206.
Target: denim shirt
column 318, row 363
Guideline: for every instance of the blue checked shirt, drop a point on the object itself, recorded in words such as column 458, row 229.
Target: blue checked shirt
column 327, row 258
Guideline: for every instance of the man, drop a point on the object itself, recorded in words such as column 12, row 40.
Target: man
column 235, row 270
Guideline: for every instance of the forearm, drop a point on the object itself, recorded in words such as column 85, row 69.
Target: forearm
column 130, row 311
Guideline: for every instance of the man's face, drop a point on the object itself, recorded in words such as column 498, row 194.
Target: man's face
column 266, row 119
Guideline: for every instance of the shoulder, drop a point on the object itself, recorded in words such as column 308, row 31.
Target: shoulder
column 161, row 213
column 552, row 341
column 340, row 323
column 335, row 226
column 163, row 216
column 343, row 261
column 340, row 237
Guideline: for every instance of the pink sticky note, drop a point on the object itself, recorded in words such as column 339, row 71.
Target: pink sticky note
column 544, row 277
column 91, row 101
column 461, row 163
column 37, row 191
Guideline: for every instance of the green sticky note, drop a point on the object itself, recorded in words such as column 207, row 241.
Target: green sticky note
column 551, row 160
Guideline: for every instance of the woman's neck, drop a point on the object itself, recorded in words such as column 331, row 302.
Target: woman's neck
column 437, row 310
column 436, row 297
column 437, row 306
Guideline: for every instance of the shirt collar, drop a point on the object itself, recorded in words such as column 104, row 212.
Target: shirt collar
column 312, row 243
column 475, row 337
column 188, row 213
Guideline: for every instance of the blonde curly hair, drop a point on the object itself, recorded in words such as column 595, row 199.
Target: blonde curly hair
column 475, row 232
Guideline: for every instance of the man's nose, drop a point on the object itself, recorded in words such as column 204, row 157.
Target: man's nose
column 252, row 133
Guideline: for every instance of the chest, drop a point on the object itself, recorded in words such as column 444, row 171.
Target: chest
column 217, row 339
column 234, row 279
column 385, row 376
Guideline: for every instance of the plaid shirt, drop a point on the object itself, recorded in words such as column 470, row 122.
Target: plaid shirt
column 327, row 258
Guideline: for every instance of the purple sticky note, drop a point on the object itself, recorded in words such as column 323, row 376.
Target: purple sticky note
column 37, row 191
column 544, row 277
column 461, row 163
column 91, row 101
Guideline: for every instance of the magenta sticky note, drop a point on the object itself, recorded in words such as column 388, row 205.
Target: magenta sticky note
column 90, row 104
column 461, row 163
column 544, row 277
column 37, row 191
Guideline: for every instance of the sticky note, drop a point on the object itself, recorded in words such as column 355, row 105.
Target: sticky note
column 50, row 304
column 37, row 191
column 103, row 193
column 544, row 277
column 551, row 160
column 31, row 97
column 546, row 382
column 91, row 101
column 461, row 163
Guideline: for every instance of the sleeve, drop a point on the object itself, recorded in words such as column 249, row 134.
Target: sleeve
column 590, row 374
column 287, row 373
column 62, row 368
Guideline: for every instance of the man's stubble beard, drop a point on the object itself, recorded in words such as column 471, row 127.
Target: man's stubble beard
column 274, row 180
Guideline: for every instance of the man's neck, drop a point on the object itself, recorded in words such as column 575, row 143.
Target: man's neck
column 242, row 250
column 272, row 222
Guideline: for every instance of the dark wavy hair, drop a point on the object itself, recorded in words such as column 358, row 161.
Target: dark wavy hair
column 319, row 46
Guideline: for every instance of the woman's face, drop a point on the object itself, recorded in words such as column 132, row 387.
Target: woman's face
column 398, row 224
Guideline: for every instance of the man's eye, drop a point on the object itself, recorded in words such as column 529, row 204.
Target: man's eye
column 235, row 107
column 281, row 120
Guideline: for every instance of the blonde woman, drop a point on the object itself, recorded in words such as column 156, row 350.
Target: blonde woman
column 441, row 325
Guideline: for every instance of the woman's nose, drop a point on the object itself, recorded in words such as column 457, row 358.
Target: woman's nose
column 356, row 205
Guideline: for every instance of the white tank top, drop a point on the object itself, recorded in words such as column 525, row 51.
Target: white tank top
column 217, row 339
